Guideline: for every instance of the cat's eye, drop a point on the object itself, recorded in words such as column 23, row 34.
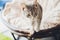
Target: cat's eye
column 28, row 15
column 36, row 5
column 23, row 8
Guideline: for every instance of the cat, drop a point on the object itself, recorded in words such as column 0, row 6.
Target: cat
column 24, row 17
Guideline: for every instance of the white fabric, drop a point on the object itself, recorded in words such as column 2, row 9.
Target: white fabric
column 51, row 13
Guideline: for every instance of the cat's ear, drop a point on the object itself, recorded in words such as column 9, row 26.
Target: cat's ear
column 35, row 1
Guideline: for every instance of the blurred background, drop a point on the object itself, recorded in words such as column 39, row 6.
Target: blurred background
column 5, row 34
